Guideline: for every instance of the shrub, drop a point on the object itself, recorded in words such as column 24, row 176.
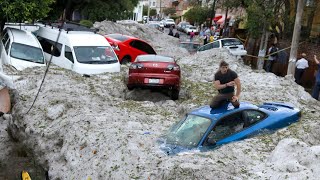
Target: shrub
column 87, row 23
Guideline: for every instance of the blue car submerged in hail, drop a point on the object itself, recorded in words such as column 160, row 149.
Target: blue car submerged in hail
column 205, row 128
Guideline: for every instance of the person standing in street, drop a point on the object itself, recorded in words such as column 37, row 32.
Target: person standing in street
column 225, row 81
column 191, row 36
column 301, row 66
column 272, row 52
column 316, row 88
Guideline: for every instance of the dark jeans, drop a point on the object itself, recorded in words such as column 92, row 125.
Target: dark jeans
column 221, row 99
column 298, row 75
column 269, row 64
column 316, row 89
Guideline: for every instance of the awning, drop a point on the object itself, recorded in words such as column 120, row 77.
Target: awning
column 216, row 18
column 222, row 19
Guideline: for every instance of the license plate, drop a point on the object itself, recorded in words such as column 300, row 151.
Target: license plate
column 154, row 81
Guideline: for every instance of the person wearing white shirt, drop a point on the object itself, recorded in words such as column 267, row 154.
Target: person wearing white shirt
column 301, row 66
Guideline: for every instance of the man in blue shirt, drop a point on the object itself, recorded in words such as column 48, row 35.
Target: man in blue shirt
column 316, row 88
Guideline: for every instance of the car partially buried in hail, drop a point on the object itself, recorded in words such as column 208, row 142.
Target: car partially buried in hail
column 155, row 71
column 234, row 45
column 128, row 48
column 206, row 128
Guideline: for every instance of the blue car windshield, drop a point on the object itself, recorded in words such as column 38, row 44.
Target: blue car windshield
column 188, row 132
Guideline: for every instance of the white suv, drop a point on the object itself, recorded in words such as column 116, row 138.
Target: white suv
column 169, row 22
column 234, row 46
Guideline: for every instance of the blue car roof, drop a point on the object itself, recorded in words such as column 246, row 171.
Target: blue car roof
column 208, row 112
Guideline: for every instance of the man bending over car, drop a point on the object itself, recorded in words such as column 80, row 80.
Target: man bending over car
column 225, row 81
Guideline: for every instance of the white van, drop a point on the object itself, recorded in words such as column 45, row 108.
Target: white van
column 21, row 49
column 81, row 51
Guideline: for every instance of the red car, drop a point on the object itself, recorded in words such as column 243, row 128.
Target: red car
column 128, row 48
column 155, row 71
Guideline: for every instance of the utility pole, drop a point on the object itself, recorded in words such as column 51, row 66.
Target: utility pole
column 295, row 38
column 213, row 12
column 160, row 10
column 148, row 11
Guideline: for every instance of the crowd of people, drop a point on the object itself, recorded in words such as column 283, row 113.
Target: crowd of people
column 274, row 55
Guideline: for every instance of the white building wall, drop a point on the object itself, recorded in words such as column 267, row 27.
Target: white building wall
column 137, row 12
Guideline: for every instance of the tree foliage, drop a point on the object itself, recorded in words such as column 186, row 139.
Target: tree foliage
column 197, row 14
column 24, row 10
column 170, row 10
column 96, row 10
column 260, row 14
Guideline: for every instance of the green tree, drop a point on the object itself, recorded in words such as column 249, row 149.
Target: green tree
column 96, row 10
column 170, row 10
column 23, row 10
column 197, row 14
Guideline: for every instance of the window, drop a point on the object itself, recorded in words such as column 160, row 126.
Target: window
column 189, row 131
column 95, row 54
column 7, row 46
column 142, row 46
column 48, row 46
column 118, row 37
column 226, row 127
column 153, row 3
column 27, row 53
column 230, row 42
column 68, row 53
column 5, row 38
column 216, row 44
column 253, row 116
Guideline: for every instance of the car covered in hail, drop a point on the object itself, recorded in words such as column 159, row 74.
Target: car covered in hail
column 128, row 48
column 234, row 45
column 206, row 128
column 155, row 71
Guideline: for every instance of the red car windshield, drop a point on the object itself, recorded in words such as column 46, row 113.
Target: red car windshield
column 118, row 37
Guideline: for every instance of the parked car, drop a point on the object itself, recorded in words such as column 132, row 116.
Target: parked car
column 77, row 49
column 128, row 48
column 234, row 46
column 155, row 71
column 182, row 25
column 20, row 49
column 205, row 128
column 169, row 22
column 154, row 25
column 189, row 28
column 191, row 46
column 161, row 24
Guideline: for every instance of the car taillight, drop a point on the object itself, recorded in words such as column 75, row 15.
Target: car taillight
column 173, row 67
column 136, row 66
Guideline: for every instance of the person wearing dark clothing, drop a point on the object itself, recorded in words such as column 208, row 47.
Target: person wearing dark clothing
column 177, row 35
column 316, row 88
column 205, row 39
column 281, row 64
column 225, row 81
column 170, row 33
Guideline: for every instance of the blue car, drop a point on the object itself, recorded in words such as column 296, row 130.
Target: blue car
column 205, row 128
